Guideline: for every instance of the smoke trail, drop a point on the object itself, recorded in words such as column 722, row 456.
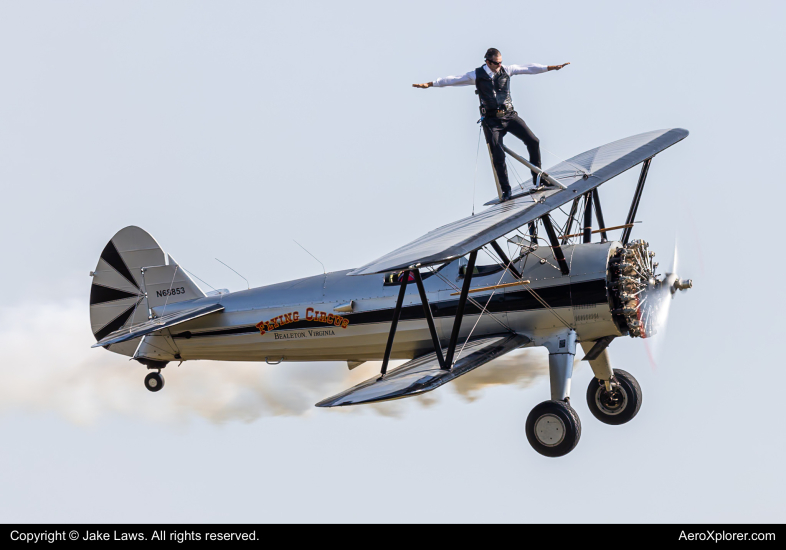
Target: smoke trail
column 46, row 364
column 521, row 367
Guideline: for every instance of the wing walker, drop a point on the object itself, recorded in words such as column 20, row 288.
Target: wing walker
column 520, row 273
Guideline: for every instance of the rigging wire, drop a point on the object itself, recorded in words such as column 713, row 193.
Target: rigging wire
column 169, row 292
column 534, row 294
column 194, row 275
column 519, row 179
column 482, row 311
column 248, row 285
column 469, row 298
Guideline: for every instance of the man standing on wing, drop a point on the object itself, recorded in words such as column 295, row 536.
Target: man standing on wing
column 492, row 84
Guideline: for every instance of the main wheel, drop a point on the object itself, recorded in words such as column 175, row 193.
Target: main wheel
column 553, row 428
column 154, row 381
column 619, row 405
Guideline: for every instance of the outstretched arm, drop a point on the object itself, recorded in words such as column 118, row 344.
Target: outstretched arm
column 463, row 80
column 532, row 68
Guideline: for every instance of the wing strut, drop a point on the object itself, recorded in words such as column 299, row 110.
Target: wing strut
column 555, row 246
column 574, row 207
column 446, row 362
column 460, row 311
column 394, row 323
column 634, row 205
column 505, row 261
column 599, row 215
column 429, row 318
column 588, row 217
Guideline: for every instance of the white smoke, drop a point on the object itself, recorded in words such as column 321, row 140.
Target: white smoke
column 520, row 367
column 46, row 364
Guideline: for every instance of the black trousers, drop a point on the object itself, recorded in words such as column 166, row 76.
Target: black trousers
column 495, row 129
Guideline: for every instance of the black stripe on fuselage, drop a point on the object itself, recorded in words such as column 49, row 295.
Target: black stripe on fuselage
column 577, row 294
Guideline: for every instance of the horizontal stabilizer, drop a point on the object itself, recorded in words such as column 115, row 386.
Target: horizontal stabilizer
column 423, row 374
column 579, row 174
column 166, row 321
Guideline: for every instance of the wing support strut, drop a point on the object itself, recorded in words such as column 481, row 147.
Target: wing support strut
column 599, row 215
column 429, row 318
column 505, row 261
column 555, row 246
column 588, row 217
column 574, row 207
column 460, row 311
column 394, row 324
column 446, row 362
column 634, row 205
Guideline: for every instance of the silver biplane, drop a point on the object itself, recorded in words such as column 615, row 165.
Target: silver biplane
column 429, row 301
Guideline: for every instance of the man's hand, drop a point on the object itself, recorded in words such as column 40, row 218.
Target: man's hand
column 557, row 67
column 425, row 85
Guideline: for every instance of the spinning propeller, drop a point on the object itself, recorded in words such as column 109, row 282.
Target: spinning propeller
column 645, row 295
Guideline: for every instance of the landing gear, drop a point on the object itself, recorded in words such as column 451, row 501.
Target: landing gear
column 553, row 428
column 154, row 381
column 619, row 405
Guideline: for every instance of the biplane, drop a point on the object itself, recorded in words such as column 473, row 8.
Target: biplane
column 433, row 301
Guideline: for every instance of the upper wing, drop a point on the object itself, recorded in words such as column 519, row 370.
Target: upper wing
column 579, row 174
column 135, row 331
column 424, row 374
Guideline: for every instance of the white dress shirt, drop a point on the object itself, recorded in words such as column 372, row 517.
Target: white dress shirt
column 469, row 78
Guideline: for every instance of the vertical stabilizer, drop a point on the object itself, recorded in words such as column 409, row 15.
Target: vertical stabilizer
column 133, row 275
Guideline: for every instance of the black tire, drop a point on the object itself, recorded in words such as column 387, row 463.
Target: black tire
column 616, row 407
column 567, row 429
column 154, row 381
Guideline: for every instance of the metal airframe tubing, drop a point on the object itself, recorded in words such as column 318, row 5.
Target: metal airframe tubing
column 494, row 169
column 634, row 205
column 396, row 315
column 587, row 217
column 429, row 318
column 555, row 247
column 599, row 215
column 572, row 215
column 460, row 310
column 536, row 169
column 505, row 261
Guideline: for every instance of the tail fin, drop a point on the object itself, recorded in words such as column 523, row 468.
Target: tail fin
column 133, row 276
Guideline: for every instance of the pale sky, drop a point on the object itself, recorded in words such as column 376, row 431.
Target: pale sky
column 228, row 129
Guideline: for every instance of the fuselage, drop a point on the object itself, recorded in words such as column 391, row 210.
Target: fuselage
column 298, row 320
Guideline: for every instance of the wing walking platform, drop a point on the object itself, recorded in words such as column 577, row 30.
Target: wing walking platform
column 166, row 321
column 580, row 174
column 424, row 374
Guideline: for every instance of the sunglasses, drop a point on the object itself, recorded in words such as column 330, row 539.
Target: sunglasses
column 494, row 62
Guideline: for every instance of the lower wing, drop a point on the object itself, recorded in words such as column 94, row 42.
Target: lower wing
column 423, row 374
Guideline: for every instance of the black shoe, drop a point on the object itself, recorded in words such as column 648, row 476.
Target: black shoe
column 505, row 196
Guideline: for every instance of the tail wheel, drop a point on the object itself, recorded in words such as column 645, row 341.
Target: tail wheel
column 154, row 381
column 619, row 405
column 553, row 428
